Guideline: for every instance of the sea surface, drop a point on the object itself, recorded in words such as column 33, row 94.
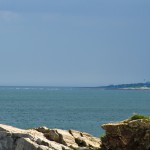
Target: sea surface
column 83, row 109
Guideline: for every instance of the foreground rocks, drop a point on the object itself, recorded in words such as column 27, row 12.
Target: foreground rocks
column 42, row 138
column 130, row 134
column 127, row 135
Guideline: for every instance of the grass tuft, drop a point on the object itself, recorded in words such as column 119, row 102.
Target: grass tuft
column 138, row 116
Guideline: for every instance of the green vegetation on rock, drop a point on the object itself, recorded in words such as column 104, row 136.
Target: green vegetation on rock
column 138, row 116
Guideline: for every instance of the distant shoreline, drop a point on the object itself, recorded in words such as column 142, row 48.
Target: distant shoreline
column 132, row 86
column 141, row 88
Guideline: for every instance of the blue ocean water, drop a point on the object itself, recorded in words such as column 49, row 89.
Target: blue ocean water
column 83, row 109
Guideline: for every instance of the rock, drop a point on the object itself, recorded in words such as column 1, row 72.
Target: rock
column 72, row 138
column 26, row 144
column 85, row 139
column 42, row 138
column 59, row 136
column 127, row 135
column 12, row 138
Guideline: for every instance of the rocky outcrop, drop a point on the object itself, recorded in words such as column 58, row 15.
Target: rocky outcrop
column 42, row 138
column 127, row 135
column 130, row 134
column 71, row 138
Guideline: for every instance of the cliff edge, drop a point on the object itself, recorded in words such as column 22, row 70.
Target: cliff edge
column 130, row 134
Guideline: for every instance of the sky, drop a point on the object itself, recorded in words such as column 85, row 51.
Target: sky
column 74, row 42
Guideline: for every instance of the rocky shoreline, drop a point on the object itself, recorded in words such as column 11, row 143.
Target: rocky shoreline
column 42, row 138
column 130, row 134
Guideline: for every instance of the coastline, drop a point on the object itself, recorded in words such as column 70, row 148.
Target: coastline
column 129, row 134
column 141, row 88
column 138, row 88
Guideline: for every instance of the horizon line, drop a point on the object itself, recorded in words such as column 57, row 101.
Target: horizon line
column 48, row 86
column 65, row 86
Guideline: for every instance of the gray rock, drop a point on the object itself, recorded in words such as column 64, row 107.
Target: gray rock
column 42, row 138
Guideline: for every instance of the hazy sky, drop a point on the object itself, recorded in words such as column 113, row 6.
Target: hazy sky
column 74, row 42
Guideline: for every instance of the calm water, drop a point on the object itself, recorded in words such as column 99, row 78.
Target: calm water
column 82, row 109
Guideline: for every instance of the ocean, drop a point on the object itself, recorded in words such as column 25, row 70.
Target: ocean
column 83, row 109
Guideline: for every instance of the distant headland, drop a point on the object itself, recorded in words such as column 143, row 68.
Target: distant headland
column 131, row 86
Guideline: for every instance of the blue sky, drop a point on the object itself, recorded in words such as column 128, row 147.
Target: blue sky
column 74, row 42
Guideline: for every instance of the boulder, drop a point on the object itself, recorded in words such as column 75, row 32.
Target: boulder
column 127, row 135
